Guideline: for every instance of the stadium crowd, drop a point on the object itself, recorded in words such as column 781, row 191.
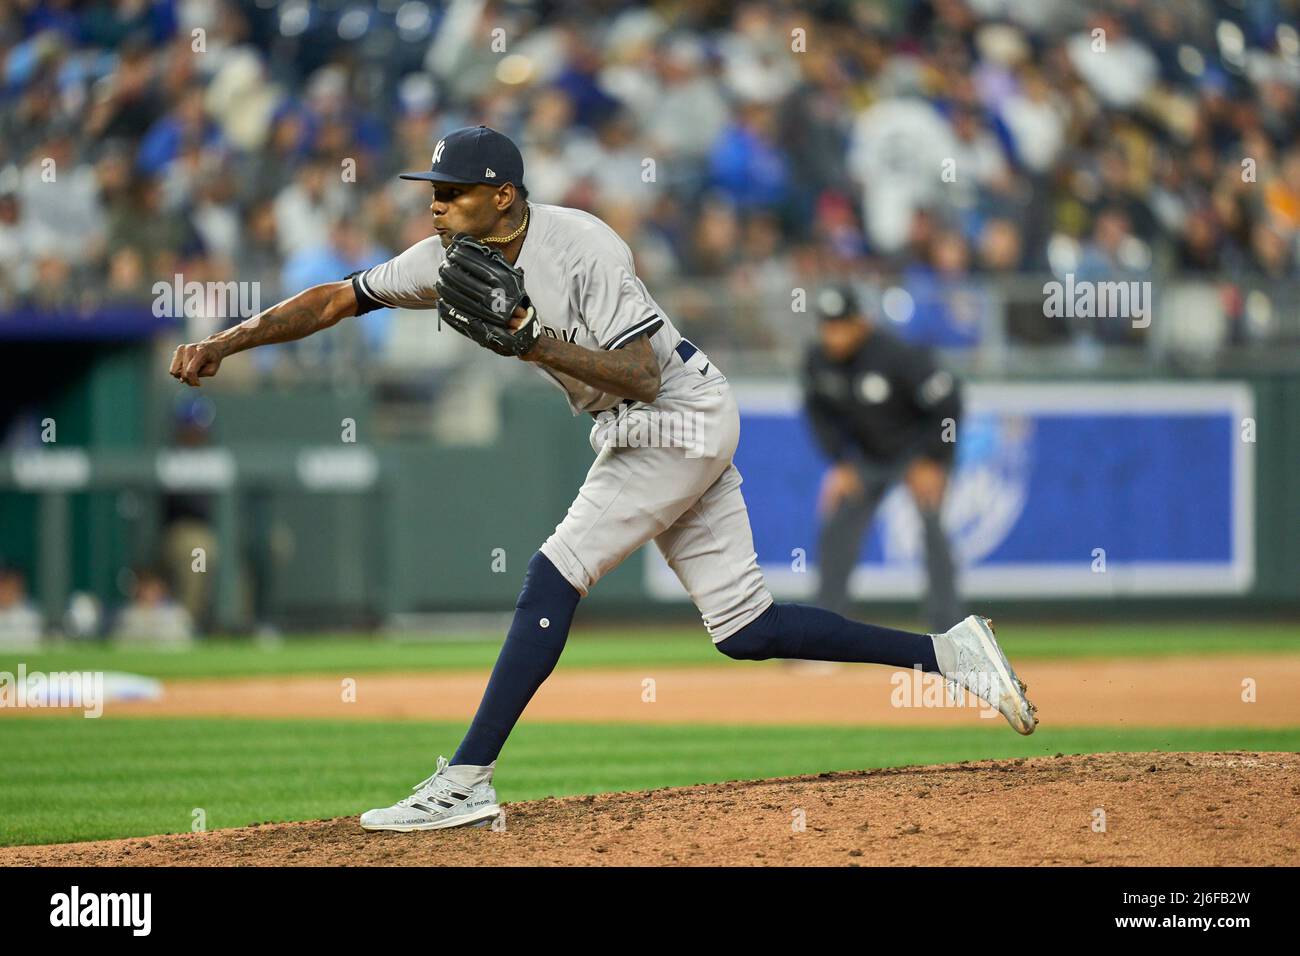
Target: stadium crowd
column 756, row 146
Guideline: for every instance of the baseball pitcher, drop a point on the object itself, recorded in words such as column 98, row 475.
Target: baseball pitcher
column 556, row 288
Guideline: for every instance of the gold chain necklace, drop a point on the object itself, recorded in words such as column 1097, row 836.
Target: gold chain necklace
column 506, row 240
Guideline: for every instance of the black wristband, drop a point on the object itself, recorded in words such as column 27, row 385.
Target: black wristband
column 365, row 302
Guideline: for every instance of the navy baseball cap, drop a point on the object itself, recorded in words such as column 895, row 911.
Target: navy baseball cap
column 474, row 154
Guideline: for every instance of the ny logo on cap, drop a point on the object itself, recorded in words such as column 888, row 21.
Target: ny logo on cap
column 437, row 151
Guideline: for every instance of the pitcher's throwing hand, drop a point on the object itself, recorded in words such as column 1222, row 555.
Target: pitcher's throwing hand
column 195, row 361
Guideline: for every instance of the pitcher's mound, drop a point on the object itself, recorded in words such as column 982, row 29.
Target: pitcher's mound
column 1153, row 809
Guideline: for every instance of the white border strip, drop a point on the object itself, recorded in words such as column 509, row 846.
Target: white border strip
column 366, row 288
column 632, row 332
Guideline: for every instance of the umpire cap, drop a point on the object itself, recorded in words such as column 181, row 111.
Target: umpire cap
column 474, row 154
column 837, row 303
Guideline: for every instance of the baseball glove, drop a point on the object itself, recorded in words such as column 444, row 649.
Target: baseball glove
column 478, row 292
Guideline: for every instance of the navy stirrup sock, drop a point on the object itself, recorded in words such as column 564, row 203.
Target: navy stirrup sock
column 543, row 614
column 806, row 633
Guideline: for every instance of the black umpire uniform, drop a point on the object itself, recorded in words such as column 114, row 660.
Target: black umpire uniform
column 878, row 406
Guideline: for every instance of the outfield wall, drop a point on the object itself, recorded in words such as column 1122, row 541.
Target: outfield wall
column 1163, row 476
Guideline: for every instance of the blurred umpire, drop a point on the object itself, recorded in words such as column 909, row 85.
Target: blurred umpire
column 881, row 410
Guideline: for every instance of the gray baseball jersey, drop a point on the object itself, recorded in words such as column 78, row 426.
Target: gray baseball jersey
column 663, row 471
column 580, row 277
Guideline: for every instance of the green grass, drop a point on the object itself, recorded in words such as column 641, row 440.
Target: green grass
column 334, row 655
column 74, row 779
column 682, row 647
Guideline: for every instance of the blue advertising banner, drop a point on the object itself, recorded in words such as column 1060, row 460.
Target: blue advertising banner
column 1059, row 491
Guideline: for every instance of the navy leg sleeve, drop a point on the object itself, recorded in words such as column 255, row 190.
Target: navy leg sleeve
column 543, row 614
column 806, row 633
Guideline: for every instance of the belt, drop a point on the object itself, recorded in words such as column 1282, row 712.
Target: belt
column 685, row 350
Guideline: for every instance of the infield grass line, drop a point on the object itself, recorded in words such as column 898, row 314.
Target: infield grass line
column 674, row 647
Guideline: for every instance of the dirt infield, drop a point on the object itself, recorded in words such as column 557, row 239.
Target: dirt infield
column 1159, row 810
column 1170, row 692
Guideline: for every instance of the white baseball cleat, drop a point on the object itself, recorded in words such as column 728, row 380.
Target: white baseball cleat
column 969, row 656
column 452, row 797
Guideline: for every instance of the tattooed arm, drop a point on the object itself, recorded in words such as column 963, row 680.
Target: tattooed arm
column 629, row 372
column 297, row 317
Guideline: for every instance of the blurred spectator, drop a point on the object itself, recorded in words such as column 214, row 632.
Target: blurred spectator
column 114, row 175
column 52, row 288
column 814, row 126
column 835, row 227
column 128, row 281
column 1282, row 194
column 579, row 79
column 1120, row 185
column 612, row 164
column 61, row 196
column 257, row 258
column 83, row 617
column 337, row 126
column 186, row 125
column 23, row 241
column 242, row 100
column 345, row 250
column 1274, row 251
column 980, row 164
column 761, row 284
column 187, row 519
column 1113, row 255
column 153, row 617
column 1199, row 245
column 305, row 209
column 717, row 233
column 547, row 142
column 748, row 164
column 756, row 62
column 897, row 158
column 999, row 254
column 1118, row 68
column 20, row 621
column 656, row 261
column 213, row 210
column 947, row 307
column 461, row 55
column 272, row 169
column 1035, row 116
column 1001, row 248
column 126, row 103
column 1114, row 252
column 688, row 110
column 24, row 124
column 163, row 238
column 1091, row 136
